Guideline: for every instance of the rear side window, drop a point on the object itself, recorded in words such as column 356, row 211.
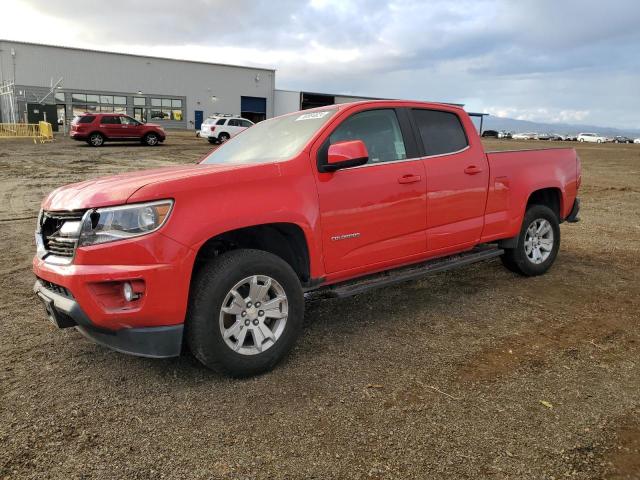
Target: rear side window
column 110, row 120
column 441, row 132
column 221, row 121
column 86, row 119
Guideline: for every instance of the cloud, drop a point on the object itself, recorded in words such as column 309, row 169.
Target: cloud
column 539, row 58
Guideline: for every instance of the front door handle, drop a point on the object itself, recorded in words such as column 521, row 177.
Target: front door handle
column 472, row 170
column 409, row 179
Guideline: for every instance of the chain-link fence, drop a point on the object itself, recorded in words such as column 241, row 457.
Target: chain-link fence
column 7, row 103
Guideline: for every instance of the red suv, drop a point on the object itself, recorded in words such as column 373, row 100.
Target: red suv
column 97, row 128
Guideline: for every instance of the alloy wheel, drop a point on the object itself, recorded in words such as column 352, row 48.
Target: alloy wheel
column 253, row 315
column 538, row 241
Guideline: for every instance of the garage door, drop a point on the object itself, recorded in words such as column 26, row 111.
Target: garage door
column 253, row 108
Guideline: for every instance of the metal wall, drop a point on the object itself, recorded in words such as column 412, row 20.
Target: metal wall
column 211, row 88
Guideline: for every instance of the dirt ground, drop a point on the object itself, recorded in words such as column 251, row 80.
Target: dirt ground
column 444, row 378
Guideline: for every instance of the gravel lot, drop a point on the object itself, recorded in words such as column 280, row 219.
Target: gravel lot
column 444, row 378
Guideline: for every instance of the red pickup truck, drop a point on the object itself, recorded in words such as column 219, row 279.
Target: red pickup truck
column 333, row 201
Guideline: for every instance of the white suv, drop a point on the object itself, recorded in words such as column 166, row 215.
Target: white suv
column 591, row 137
column 219, row 129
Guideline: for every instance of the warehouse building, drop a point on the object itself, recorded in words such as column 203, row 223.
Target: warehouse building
column 61, row 82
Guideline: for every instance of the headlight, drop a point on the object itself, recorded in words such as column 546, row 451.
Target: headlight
column 118, row 223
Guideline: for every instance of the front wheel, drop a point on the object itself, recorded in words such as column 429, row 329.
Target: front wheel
column 151, row 139
column 538, row 243
column 245, row 312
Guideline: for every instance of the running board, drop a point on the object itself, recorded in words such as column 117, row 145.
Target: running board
column 404, row 274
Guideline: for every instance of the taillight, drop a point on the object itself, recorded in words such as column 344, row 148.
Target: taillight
column 212, row 129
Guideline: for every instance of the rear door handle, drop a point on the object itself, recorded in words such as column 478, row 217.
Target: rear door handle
column 472, row 170
column 409, row 179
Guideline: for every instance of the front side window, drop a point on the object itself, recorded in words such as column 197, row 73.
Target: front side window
column 126, row 120
column 380, row 132
column 245, row 123
column 273, row 140
column 441, row 132
column 234, row 123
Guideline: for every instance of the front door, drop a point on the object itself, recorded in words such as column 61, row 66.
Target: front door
column 138, row 114
column 198, row 119
column 130, row 127
column 374, row 213
column 457, row 181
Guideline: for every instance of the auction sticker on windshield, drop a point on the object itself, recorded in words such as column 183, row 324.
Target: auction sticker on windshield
column 312, row 116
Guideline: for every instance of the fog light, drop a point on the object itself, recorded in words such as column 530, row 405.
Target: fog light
column 129, row 294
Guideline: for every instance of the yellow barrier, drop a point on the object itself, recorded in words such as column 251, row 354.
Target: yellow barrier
column 41, row 132
column 46, row 132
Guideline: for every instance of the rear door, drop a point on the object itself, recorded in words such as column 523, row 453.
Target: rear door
column 110, row 126
column 457, row 179
column 374, row 213
column 234, row 126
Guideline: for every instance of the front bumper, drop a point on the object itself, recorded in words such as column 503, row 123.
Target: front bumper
column 155, row 342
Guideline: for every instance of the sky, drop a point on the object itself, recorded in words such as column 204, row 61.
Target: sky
column 539, row 60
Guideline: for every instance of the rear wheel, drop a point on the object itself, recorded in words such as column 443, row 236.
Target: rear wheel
column 151, row 139
column 223, row 137
column 96, row 139
column 245, row 312
column 538, row 243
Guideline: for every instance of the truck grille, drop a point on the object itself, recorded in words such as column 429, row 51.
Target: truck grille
column 57, row 242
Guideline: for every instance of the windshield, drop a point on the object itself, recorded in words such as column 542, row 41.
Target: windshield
column 271, row 140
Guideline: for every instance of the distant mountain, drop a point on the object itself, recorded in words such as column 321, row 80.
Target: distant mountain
column 513, row 125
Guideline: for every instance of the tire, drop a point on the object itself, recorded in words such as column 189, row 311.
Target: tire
column 96, row 139
column 212, row 290
column 581, row 140
column 223, row 137
column 599, row 141
column 534, row 255
column 151, row 139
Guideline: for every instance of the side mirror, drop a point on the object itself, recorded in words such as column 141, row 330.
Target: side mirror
column 351, row 153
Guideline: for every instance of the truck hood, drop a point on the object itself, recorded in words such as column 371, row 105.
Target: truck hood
column 116, row 189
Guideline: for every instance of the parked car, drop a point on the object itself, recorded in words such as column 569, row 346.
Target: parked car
column 490, row 133
column 591, row 137
column 556, row 137
column 219, row 256
column 524, row 136
column 219, row 129
column 637, row 140
column 504, row 134
column 98, row 128
column 544, row 136
column 571, row 137
column 622, row 139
